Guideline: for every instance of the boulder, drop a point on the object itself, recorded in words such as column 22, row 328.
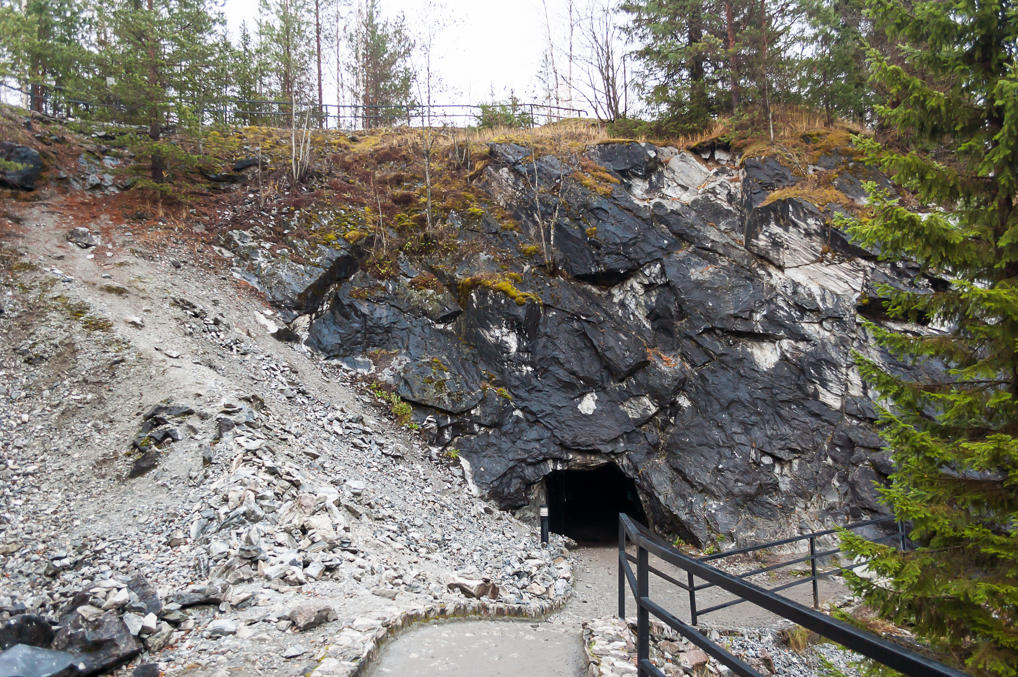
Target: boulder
column 26, row 629
column 26, row 169
column 474, row 589
column 82, row 237
column 311, row 615
column 22, row 660
column 101, row 644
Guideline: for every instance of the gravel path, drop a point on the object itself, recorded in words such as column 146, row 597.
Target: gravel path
column 553, row 648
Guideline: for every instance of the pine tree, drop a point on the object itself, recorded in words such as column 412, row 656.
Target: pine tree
column 954, row 439
column 158, row 66
column 43, row 45
column 288, row 40
column 382, row 76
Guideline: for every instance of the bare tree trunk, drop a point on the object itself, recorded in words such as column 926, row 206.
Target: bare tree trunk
column 318, row 55
column 698, row 93
column 764, row 70
column 339, row 73
column 569, row 84
column 733, row 66
column 155, row 127
column 551, row 53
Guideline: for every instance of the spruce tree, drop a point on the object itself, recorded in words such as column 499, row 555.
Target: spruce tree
column 833, row 74
column 953, row 101
column 690, row 70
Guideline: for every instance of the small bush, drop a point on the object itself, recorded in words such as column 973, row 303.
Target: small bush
column 509, row 114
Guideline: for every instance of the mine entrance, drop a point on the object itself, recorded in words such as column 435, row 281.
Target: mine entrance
column 585, row 504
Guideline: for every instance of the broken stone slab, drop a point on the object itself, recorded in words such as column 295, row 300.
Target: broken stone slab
column 693, row 659
column 161, row 638
column 147, row 462
column 117, row 600
column 82, row 237
column 221, row 627
column 22, row 660
column 26, row 629
column 474, row 589
column 311, row 615
column 166, row 411
column 197, row 595
column 133, row 623
column 147, row 599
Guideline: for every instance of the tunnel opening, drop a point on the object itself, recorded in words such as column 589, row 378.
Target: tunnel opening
column 585, row 504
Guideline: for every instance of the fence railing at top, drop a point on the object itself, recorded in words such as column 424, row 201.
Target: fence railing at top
column 638, row 584
column 59, row 103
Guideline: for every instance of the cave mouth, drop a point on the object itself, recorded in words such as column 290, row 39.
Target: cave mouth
column 585, row 504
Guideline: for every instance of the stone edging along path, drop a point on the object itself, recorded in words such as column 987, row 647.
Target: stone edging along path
column 354, row 651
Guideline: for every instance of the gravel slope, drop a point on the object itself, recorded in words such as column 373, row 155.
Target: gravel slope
column 291, row 497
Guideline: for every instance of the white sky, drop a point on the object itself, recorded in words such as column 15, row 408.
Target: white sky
column 486, row 45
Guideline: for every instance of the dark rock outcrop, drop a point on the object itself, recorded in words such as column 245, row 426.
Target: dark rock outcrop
column 695, row 337
column 26, row 166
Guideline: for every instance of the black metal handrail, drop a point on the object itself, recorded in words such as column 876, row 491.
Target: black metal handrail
column 234, row 110
column 646, row 543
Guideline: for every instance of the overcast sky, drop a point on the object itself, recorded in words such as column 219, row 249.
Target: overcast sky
column 485, row 44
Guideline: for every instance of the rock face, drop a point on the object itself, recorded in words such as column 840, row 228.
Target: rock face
column 695, row 334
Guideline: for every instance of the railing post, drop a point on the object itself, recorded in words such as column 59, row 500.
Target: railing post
column 642, row 615
column 622, row 573
column 692, row 598
column 813, row 570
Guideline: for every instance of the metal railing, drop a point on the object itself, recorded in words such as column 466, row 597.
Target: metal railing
column 638, row 583
column 814, row 558
column 57, row 102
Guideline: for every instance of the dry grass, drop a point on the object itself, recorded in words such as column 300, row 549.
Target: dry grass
column 719, row 128
column 798, row 638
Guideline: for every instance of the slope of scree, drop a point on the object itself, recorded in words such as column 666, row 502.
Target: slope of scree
column 178, row 487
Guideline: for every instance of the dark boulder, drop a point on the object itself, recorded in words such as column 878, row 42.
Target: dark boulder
column 101, row 645
column 25, row 166
column 245, row 163
column 627, row 159
column 26, row 629
column 23, row 660
column 147, row 600
column 762, row 176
